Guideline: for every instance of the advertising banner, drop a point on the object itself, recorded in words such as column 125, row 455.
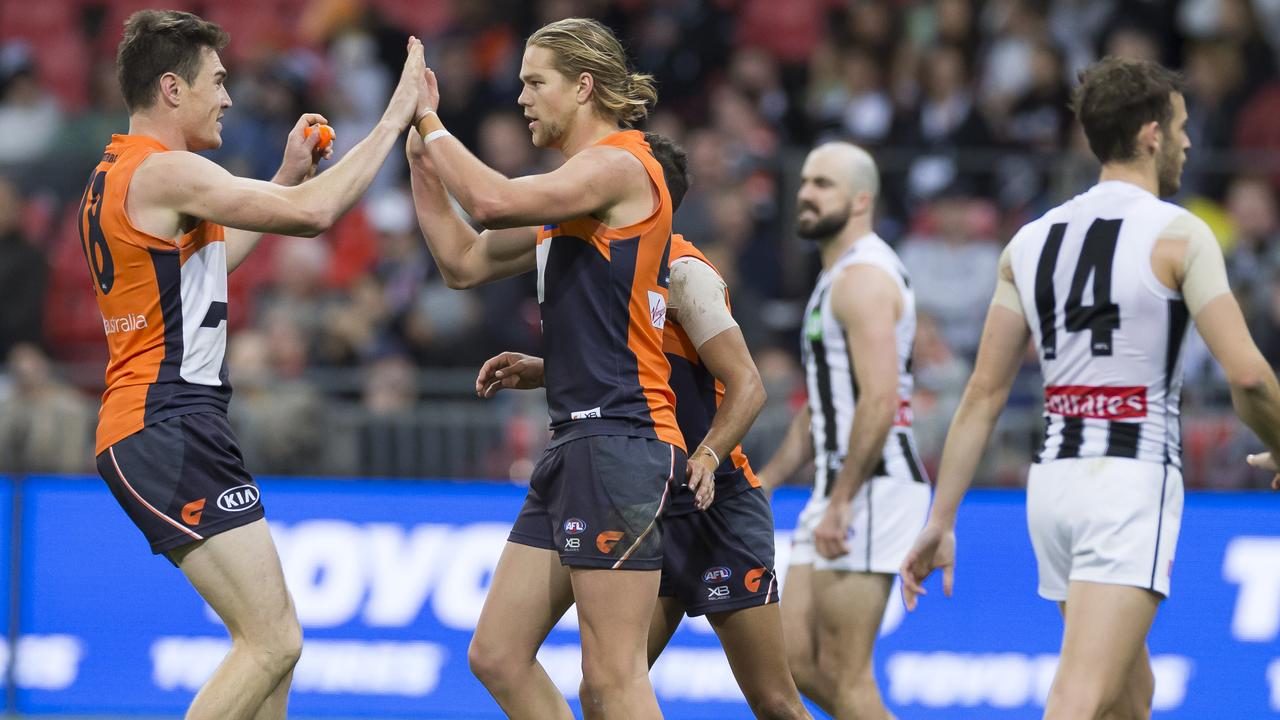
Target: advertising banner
column 389, row 579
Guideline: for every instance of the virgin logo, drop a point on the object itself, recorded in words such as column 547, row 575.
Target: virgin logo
column 1103, row 403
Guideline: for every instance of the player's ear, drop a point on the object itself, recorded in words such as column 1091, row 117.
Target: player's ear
column 1150, row 137
column 586, row 83
column 171, row 88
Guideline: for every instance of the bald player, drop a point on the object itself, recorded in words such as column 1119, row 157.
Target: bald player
column 870, row 493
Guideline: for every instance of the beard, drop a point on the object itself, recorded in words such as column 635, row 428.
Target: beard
column 825, row 226
column 547, row 135
column 1168, row 174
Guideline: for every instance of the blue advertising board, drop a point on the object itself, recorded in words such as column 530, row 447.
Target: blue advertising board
column 389, row 579
column 6, row 532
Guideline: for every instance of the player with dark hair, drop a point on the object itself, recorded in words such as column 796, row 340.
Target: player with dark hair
column 161, row 228
column 1105, row 285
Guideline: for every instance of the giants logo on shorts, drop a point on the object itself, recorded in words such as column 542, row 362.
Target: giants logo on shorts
column 606, row 540
column 1103, row 403
column 238, row 499
column 574, row 526
column 716, row 574
column 192, row 511
column 752, row 579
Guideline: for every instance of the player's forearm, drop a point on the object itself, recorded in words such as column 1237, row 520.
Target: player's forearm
column 450, row 239
column 744, row 397
column 242, row 243
column 332, row 193
column 970, row 429
column 871, row 425
column 478, row 188
column 796, row 450
column 1257, row 401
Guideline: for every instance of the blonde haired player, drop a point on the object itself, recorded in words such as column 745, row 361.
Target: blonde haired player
column 598, row 231
column 1105, row 285
column 161, row 228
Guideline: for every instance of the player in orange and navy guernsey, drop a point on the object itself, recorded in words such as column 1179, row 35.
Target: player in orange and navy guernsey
column 161, row 228
column 718, row 562
column 597, row 230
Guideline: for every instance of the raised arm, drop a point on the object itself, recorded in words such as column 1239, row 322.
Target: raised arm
column 1000, row 353
column 867, row 303
column 591, row 182
column 299, row 164
column 465, row 258
column 190, row 185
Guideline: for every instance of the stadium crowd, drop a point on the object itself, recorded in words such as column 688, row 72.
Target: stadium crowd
column 343, row 349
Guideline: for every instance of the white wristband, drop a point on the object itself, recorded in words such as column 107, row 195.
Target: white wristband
column 436, row 135
column 714, row 456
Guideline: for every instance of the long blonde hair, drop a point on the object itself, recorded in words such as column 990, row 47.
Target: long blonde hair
column 582, row 45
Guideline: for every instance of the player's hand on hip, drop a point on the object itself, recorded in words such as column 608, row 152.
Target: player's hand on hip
column 934, row 548
column 1264, row 461
column 700, row 476
column 404, row 100
column 830, row 536
column 301, row 155
column 512, row 370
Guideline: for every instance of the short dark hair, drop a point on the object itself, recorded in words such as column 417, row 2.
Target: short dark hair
column 675, row 166
column 1116, row 97
column 161, row 41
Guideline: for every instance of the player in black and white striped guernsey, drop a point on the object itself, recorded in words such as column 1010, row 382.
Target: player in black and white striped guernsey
column 1104, row 285
column 870, row 494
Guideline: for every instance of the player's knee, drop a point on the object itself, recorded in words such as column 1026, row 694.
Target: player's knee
column 279, row 650
column 606, row 677
column 776, row 704
column 1069, row 701
column 488, row 662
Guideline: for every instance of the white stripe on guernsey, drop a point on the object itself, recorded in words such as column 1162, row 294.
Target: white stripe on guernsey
column 112, row 452
column 662, row 504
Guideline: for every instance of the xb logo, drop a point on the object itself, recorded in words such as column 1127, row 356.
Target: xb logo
column 718, row 593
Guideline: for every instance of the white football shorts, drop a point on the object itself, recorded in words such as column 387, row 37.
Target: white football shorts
column 1104, row 520
column 888, row 513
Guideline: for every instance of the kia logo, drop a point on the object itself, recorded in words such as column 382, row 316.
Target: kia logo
column 716, row 574
column 238, row 499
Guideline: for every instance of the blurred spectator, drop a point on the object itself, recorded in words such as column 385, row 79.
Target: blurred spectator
column 952, row 262
column 23, row 275
column 29, row 113
column 1215, row 85
column 388, row 445
column 279, row 417
column 45, row 425
column 947, row 134
column 940, row 377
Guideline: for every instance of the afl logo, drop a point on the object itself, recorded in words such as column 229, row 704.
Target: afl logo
column 716, row 574
column 574, row 526
column 238, row 499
